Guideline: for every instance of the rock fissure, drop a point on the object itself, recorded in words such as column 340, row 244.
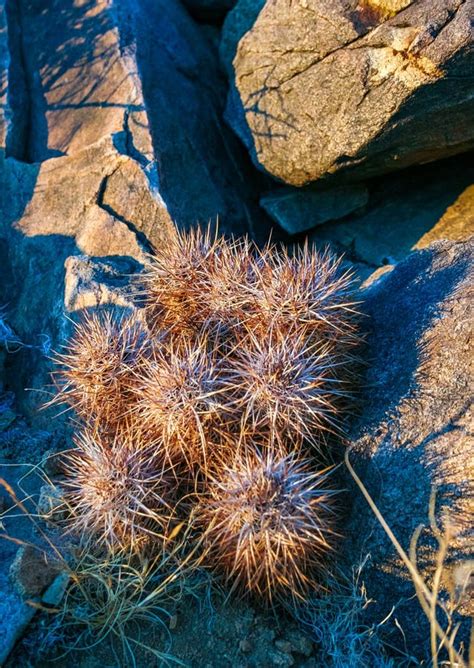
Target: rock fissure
column 140, row 236
column 19, row 86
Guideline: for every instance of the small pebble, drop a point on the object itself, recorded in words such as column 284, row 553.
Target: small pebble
column 245, row 646
column 173, row 623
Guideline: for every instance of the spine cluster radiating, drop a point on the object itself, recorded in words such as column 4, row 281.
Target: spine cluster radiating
column 268, row 521
column 216, row 398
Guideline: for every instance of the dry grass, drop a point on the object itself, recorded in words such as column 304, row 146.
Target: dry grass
column 129, row 601
column 433, row 603
column 334, row 621
column 126, row 598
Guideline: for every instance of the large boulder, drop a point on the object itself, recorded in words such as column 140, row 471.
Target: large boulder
column 415, row 432
column 360, row 88
column 237, row 22
column 106, row 142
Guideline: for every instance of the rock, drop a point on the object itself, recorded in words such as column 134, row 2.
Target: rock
column 7, row 417
column 457, row 222
column 127, row 196
column 51, row 503
column 377, row 275
column 202, row 170
column 78, row 91
column 356, row 88
column 298, row 642
column 20, row 445
column 103, row 234
column 58, row 221
column 70, row 193
column 209, row 9
column 245, row 646
column 300, row 210
column 91, row 282
column 236, row 24
column 415, row 431
column 32, row 572
column 25, row 573
column 417, row 206
column 15, row 617
column 56, row 590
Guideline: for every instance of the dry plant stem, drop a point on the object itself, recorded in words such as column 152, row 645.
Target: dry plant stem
column 11, row 492
column 426, row 597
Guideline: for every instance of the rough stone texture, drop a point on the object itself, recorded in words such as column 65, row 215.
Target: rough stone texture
column 345, row 86
column 416, row 427
column 414, row 207
column 300, row 210
column 127, row 197
column 91, row 282
column 53, row 211
column 79, row 90
column 32, row 572
column 457, row 222
column 202, row 171
column 133, row 71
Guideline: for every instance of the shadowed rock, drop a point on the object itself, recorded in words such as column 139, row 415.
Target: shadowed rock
column 405, row 211
column 416, row 430
column 209, row 9
column 300, row 210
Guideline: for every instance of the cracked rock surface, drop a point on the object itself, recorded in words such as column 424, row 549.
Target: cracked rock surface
column 109, row 136
column 357, row 87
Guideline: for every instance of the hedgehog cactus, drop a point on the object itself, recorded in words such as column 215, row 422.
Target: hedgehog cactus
column 267, row 521
column 120, row 494
column 225, row 383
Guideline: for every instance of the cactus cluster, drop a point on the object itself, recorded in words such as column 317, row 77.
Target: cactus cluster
column 213, row 401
